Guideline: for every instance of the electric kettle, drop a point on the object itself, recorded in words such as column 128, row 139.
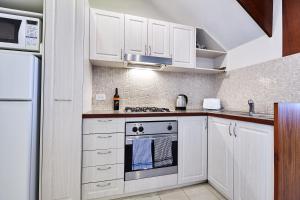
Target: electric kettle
column 181, row 102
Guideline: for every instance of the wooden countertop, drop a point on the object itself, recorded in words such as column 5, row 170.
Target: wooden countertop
column 240, row 116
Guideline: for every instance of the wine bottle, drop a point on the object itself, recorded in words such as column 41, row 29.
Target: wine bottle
column 116, row 100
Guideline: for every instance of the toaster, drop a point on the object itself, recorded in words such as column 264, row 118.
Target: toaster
column 212, row 104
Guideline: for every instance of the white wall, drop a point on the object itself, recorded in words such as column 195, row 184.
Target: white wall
column 261, row 49
column 143, row 8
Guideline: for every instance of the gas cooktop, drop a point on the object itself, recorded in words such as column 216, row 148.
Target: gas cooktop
column 146, row 109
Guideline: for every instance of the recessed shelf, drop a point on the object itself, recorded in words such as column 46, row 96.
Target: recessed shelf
column 206, row 53
column 38, row 54
column 209, row 71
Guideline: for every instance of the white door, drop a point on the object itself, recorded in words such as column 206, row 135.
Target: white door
column 253, row 162
column 136, row 35
column 183, row 46
column 220, row 155
column 159, row 38
column 106, row 35
column 15, row 150
column 16, row 76
column 192, row 149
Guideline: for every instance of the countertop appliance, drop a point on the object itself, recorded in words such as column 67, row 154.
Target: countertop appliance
column 212, row 104
column 19, row 32
column 181, row 102
column 146, row 109
column 19, row 123
column 152, row 130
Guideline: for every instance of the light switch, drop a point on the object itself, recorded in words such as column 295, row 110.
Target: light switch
column 100, row 97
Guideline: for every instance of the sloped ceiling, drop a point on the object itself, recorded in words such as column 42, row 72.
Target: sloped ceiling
column 225, row 20
column 27, row 5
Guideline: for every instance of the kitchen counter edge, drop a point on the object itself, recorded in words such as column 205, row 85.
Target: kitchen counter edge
column 224, row 114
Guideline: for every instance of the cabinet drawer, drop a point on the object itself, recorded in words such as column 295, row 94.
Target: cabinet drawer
column 103, row 157
column 103, row 141
column 102, row 173
column 92, row 126
column 102, row 189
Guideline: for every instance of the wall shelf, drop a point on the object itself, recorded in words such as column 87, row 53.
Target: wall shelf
column 206, row 53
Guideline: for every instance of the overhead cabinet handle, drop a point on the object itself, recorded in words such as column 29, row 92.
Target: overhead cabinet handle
column 149, row 50
column 146, row 49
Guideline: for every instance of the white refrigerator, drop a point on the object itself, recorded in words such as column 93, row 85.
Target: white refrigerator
column 19, row 126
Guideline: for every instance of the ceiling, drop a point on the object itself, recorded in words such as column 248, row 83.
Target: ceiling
column 225, row 20
column 27, row 5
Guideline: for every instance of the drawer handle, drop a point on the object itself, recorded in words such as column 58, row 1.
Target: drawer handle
column 109, row 120
column 104, row 137
column 103, row 153
column 102, row 169
column 103, row 185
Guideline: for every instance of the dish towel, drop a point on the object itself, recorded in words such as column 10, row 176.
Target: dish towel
column 142, row 154
column 163, row 151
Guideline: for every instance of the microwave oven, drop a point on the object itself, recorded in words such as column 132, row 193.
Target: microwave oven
column 19, row 32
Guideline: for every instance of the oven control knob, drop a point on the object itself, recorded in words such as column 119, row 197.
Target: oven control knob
column 170, row 127
column 141, row 129
column 135, row 129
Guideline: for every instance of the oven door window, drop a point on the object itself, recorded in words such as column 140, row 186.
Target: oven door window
column 129, row 153
column 9, row 30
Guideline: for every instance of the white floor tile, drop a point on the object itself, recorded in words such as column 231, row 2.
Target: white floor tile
column 177, row 194
column 195, row 192
column 200, row 192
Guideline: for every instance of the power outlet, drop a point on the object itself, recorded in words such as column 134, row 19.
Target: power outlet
column 100, row 97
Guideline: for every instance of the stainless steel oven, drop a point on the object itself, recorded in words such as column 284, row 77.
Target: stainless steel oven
column 155, row 142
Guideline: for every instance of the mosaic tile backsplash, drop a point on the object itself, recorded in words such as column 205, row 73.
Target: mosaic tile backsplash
column 266, row 83
column 150, row 88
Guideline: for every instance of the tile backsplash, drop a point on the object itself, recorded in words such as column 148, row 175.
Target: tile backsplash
column 274, row 81
column 266, row 83
column 150, row 88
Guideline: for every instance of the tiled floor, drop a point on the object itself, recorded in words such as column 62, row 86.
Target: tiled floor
column 195, row 192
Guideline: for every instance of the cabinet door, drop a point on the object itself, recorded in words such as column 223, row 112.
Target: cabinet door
column 192, row 149
column 158, row 38
column 106, row 35
column 136, row 35
column 220, row 156
column 254, row 162
column 183, row 46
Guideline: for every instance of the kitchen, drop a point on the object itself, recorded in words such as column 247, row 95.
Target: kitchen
column 150, row 99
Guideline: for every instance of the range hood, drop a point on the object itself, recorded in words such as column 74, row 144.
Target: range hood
column 152, row 62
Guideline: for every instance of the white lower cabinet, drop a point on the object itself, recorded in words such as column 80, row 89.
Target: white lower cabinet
column 102, row 189
column 103, row 158
column 253, row 162
column 220, row 156
column 192, row 149
column 241, row 159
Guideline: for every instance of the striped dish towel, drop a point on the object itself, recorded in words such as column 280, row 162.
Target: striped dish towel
column 163, row 151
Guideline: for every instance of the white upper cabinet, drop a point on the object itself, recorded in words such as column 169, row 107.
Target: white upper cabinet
column 192, row 149
column 106, row 35
column 136, row 35
column 253, row 162
column 183, row 46
column 158, row 38
column 220, row 155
